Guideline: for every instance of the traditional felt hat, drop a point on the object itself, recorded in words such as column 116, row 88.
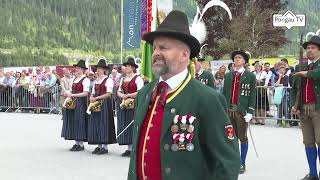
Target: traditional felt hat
column 314, row 40
column 257, row 63
column 131, row 61
column 102, row 63
column 242, row 53
column 200, row 58
column 81, row 64
column 175, row 25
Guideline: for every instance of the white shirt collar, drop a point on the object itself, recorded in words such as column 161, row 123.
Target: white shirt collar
column 309, row 61
column 241, row 70
column 82, row 76
column 176, row 80
column 200, row 72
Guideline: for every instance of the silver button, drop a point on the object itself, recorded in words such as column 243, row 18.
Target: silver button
column 166, row 147
column 151, row 125
column 173, row 110
column 148, row 137
column 167, row 170
column 145, row 178
column 144, row 164
column 145, row 151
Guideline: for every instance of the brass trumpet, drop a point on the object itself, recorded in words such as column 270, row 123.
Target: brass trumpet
column 95, row 106
column 70, row 103
column 127, row 103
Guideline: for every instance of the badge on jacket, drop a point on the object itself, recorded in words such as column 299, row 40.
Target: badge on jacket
column 182, row 130
column 229, row 131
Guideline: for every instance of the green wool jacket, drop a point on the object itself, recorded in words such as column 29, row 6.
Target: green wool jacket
column 296, row 84
column 246, row 93
column 206, row 78
column 215, row 155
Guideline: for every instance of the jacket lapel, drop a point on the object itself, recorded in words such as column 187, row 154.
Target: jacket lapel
column 230, row 78
column 169, row 113
column 144, row 104
column 317, row 64
column 243, row 76
column 171, row 108
column 305, row 66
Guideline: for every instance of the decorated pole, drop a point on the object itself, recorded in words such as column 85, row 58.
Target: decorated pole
column 199, row 30
column 312, row 34
column 299, row 94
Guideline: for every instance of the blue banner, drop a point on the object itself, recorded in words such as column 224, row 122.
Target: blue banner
column 131, row 23
column 144, row 16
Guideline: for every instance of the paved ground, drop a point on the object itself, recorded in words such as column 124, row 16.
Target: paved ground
column 31, row 149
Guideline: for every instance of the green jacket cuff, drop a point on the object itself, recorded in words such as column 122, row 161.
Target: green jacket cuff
column 250, row 110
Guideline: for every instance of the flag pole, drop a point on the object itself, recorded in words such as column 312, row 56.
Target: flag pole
column 121, row 32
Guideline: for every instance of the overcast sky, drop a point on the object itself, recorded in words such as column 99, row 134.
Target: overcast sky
column 165, row 5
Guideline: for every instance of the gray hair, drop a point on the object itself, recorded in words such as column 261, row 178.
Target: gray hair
column 183, row 45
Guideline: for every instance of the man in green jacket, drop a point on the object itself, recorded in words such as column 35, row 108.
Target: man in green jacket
column 178, row 135
column 202, row 75
column 239, row 90
column 307, row 81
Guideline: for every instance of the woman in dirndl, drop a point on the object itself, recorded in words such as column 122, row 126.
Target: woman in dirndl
column 74, row 120
column 129, row 87
column 101, row 129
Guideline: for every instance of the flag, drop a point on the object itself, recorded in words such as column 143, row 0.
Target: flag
column 146, row 64
column 151, row 8
column 131, row 23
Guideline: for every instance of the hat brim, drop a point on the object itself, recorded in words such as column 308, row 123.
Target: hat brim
column 191, row 41
column 257, row 62
column 245, row 55
column 76, row 65
column 200, row 59
column 105, row 67
column 304, row 45
column 136, row 66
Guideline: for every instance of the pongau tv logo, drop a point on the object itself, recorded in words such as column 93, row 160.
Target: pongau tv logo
column 289, row 20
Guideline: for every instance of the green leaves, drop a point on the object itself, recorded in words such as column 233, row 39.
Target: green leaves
column 58, row 24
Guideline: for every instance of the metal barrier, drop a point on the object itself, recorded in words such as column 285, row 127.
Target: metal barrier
column 30, row 98
column 271, row 102
column 6, row 97
column 274, row 102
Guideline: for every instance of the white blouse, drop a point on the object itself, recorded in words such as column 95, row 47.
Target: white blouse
column 261, row 75
column 85, row 83
column 139, row 82
column 108, row 84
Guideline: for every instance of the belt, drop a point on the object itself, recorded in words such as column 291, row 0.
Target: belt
column 232, row 110
column 309, row 108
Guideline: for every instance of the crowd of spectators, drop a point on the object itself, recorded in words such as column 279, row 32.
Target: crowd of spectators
column 32, row 87
column 41, row 87
column 269, row 81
